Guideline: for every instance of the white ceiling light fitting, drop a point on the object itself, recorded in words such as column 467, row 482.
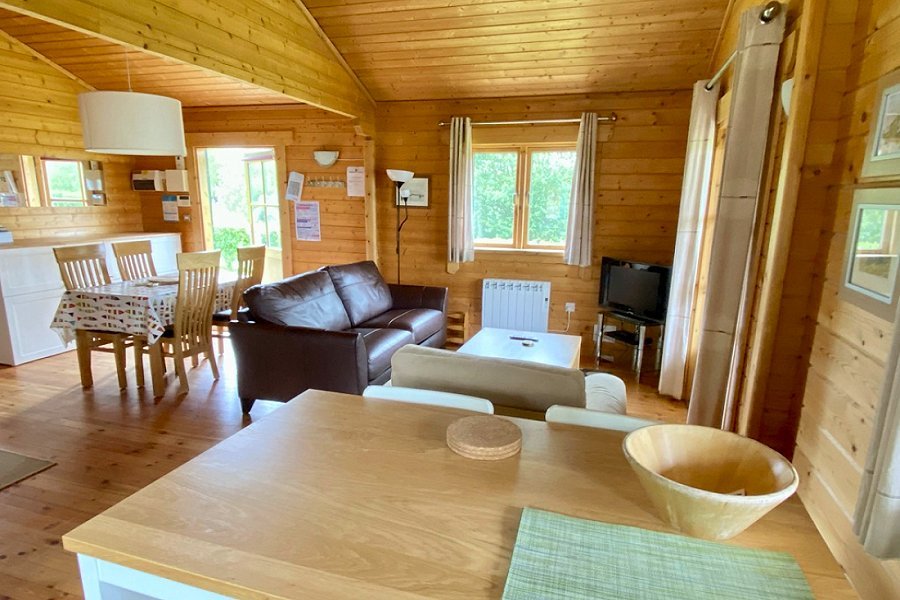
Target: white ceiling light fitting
column 131, row 123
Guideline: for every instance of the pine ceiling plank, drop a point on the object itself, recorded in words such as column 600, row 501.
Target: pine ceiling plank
column 224, row 36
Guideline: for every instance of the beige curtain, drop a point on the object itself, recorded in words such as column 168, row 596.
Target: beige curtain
column 461, row 244
column 694, row 200
column 877, row 518
column 580, row 231
column 753, row 88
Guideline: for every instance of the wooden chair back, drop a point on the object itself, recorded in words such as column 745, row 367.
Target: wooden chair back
column 198, row 274
column 135, row 259
column 82, row 266
column 251, row 262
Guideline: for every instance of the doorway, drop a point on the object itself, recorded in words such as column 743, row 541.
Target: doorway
column 241, row 204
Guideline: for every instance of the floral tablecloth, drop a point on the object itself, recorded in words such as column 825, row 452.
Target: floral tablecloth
column 134, row 307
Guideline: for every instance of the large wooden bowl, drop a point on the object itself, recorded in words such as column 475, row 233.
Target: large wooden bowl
column 695, row 477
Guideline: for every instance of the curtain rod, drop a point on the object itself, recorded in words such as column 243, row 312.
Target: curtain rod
column 766, row 16
column 611, row 118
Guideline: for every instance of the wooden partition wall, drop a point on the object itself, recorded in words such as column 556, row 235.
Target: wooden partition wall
column 40, row 117
column 298, row 130
column 639, row 171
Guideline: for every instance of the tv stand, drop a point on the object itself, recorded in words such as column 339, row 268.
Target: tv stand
column 631, row 331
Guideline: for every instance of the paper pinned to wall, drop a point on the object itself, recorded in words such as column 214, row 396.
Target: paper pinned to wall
column 170, row 207
column 356, row 181
column 294, row 189
column 306, row 220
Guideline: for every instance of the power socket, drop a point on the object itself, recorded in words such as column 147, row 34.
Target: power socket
column 570, row 307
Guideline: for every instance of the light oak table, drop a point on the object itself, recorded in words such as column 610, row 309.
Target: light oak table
column 336, row 496
column 546, row 348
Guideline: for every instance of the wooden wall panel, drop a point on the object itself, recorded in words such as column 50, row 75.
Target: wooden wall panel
column 39, row 116
column 640, row 162
column 300, row 130
column 850, row 346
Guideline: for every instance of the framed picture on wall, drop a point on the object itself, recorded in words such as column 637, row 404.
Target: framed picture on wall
column 883, row 150
column 418, row 192
column 871, row 278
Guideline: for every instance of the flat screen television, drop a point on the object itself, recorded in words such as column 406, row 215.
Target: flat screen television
column 635, row 288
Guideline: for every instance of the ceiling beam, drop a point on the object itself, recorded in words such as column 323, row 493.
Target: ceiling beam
column 272, row 44
column 44, row 59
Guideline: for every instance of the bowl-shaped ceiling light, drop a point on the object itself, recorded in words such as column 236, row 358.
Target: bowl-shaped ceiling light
column 131, row 123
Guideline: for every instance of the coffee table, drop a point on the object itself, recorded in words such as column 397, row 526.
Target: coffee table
column 546, row 348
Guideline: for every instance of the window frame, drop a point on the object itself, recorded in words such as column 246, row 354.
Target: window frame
column 522, row 201
column 47, row 196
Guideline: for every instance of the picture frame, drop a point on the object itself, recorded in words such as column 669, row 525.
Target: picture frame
column 418, row 193
column 882, row 160
column 871, row 273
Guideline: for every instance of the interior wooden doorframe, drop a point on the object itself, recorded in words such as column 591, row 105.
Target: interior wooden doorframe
column 277, row 140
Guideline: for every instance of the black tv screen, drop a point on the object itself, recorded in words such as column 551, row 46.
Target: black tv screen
column 634, row 288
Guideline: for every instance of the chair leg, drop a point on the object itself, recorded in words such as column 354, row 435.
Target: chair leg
column 83, row 348
column 220, row 330
column 211, row 357
column 157, row 368
column 180, row 370
column 119, row 352
column 247, row 404
column 138, row 347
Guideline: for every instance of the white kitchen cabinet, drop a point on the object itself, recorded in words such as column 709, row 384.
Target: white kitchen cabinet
column 31, row 288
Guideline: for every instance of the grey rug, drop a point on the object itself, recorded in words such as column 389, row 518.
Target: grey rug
column 16, row 467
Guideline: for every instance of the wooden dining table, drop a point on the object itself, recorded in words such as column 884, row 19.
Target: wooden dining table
column 337, row 496
column 140, row 308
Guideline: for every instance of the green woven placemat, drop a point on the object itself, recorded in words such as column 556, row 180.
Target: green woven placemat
column 563, row 558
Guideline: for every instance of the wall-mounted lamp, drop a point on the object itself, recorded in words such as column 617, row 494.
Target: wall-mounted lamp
column 326, row 158
column 399, row 178
column 787, row 90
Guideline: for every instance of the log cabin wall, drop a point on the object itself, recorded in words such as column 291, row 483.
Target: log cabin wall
column 850, row 346
column 299, row 130
column 638, row 179
column 40, row 117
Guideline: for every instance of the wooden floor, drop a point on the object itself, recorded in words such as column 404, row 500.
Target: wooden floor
column 109, row 444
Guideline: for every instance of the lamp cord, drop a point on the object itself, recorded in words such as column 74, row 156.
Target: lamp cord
column 128, row 70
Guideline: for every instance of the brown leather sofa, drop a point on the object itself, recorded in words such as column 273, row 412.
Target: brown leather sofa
column 333, row 329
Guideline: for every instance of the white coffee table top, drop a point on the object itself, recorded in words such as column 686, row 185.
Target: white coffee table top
column 546, row 348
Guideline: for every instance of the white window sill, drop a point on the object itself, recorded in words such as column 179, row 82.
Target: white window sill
column 548, row 251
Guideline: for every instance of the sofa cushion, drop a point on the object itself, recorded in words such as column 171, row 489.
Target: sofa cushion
column 381, row 344
column 307, row 300
column 604, row 392
column 362, row 289
column 421, row 322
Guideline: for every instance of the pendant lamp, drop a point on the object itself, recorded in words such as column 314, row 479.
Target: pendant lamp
column 131, row 123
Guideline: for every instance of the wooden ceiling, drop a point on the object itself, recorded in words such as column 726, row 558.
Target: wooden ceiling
column 440, row 49
column 102, row 65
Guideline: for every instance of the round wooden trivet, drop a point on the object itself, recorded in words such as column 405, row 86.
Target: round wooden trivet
column 484, row 437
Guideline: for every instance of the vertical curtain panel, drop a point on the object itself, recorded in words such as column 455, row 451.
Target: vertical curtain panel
column 877, row 519
column 460, row 236
column 580, row 230
column 752, row 90
column 689, row 238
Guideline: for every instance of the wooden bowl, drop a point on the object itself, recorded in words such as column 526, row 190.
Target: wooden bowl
column 708, row 483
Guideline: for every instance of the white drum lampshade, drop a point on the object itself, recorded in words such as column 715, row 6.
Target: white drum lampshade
column 131, row 123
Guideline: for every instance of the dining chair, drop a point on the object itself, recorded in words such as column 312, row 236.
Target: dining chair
column 251, row 262
column 135, row 259
column 572, row 415
column 84, row 266
column 429, row 397
column 191, row 334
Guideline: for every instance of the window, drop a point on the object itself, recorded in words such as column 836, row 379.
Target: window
column 262, row 188
column 64, row 182
column 521, row 196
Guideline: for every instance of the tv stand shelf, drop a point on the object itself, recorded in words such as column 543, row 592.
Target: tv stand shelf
column 632, row 331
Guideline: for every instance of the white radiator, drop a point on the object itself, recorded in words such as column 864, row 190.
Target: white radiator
column 515, row 304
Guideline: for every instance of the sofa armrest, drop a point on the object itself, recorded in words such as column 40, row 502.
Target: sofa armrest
column 277, row 363
column 418, row 296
